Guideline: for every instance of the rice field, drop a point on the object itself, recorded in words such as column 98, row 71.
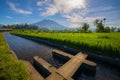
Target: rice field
column 106, row 44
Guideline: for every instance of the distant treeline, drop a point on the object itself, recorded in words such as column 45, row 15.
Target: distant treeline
column 21, row 26
column 99, row 25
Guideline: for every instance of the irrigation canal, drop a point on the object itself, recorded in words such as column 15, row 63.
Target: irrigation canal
column 26, row 49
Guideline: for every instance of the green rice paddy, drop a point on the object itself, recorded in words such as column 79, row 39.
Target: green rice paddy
column 106, row 44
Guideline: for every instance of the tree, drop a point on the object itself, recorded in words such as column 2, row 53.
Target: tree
column 113, row 29
column 107, row 29
column 85, row 27
column 79, row 29
column 118, row 29
column 99, row 25
column 5, row 26
column 96, row 23
column 104, row 19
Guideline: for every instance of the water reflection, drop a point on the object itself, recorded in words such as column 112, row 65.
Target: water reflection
column 26, row 49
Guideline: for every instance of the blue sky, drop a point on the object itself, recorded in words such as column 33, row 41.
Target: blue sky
column 71, row 13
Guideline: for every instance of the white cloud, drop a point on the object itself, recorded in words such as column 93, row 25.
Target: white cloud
column 76, row 18
column 75, row 25
column 66, row 6
column 51, row 10
column 39, row 3
column 18, row 10
column 66, row 9
column 9, row 17
column 61, row 6
column 76, row 11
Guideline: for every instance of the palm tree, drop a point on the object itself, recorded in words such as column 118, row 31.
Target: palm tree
column 104, row 21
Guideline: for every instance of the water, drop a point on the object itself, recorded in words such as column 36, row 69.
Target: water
column 26, row 49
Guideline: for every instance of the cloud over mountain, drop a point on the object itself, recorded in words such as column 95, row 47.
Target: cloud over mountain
column 75, row 11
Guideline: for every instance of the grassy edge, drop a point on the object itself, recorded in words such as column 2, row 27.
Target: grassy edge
column 11, row 68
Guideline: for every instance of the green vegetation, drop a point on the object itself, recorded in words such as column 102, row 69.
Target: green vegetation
column 107, row 44
column 10, row 68
column 85, row 28
column 21, row 26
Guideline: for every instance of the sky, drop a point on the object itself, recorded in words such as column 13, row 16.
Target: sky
column 70, row 13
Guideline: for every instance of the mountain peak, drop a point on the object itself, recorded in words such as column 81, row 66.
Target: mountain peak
column 47, row 20
column 50, row 24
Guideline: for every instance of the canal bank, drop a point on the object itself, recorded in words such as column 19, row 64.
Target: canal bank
column 26, row 49
column 11, row 68
column 102, row 73
column 96, row 58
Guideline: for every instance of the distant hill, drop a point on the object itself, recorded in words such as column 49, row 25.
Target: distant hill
column 49, row 24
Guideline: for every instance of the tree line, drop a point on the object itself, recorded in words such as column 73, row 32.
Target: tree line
column 100, row 27
column 21, row 26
